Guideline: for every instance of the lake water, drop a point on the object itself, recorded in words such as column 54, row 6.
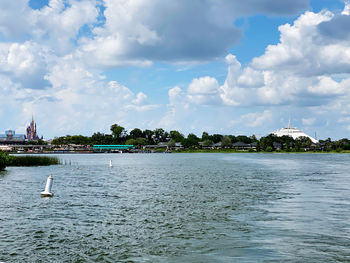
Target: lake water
column 179, row 208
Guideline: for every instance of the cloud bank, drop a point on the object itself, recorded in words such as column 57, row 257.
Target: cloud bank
column 307, row 71
column 55, row 57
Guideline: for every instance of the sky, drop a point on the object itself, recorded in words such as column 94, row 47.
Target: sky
column 225, row 66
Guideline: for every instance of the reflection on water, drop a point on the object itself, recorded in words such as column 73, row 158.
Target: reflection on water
column 179, row 208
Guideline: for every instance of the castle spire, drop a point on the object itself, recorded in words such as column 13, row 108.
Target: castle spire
column 31, row 130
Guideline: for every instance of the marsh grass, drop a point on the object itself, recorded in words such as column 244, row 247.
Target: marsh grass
column 28, row 160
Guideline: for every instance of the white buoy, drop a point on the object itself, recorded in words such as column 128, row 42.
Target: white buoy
column 110, row 163
column 47, row 191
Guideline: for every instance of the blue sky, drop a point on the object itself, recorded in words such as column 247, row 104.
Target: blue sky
column 230, row 67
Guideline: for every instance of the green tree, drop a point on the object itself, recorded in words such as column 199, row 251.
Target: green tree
column 269, row 149
column 108, row 139
column 243, row 138
column 226, row 142
column 339, row 145
column 136, row 133
column 171, row 143
column 343, row 144
column 68, row 139
column 205, row 136
column 287, row 146
column 207, row 143
column 160, row 135
column 38, row 142
column 4, row 159
column 305, row 142
column 216, row 138
column 191, row 141
column 253, row 138
column 233, row 138
column 297, row 146
column 98, row 138
column 117, row 131
column 268, row 141
column 79, row 139
column 329, row 144
column 58, row 141
column 258, row 148
column 176, row 136
column 136, row 142
column 166, row 137
column 131, row 142
column 286, row 141
column 148, row 134
column 141, row 141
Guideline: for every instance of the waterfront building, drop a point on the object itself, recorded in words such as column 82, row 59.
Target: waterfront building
column 293, row 132
column 31, row 132
column 112, row 148
column 10, row 137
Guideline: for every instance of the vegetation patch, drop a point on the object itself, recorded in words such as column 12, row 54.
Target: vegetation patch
column 4, row 159
column 26, row 160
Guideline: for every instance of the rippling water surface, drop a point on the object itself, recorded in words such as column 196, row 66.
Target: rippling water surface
column 179, row 208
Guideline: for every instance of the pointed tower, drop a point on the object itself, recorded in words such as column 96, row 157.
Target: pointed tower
column 35, row 135
column 31, row 131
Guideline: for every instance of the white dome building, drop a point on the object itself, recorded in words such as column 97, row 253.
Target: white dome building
column 293, row 132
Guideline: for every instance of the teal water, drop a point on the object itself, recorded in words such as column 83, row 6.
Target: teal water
column 179, row 208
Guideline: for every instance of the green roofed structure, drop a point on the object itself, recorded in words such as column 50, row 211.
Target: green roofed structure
column 103, row 148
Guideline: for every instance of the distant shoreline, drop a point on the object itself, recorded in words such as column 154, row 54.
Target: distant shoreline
column 187, row 151
column 262, row 152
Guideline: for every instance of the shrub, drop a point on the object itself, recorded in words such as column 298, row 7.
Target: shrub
column 269, row 149
column 3, row 160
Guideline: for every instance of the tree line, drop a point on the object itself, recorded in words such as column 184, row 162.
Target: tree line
column 138, row 138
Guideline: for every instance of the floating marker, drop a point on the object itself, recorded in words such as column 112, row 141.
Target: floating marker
column 110, row 163
column 47, row 191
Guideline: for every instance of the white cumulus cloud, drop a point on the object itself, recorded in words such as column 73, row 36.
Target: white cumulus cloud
column 204, row 91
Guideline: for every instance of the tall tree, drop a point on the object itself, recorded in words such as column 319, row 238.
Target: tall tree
column 117, row 131
column 205, row 136
column 243, row 138
column 216, row 138
column 136, row 133
column 160, row 135
column 226, row 142
column 191, row 141
column 98, row 138
column 148, row 134
column 176, row 136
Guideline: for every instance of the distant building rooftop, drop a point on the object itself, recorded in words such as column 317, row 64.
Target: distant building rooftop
column 112, row 147
column 293, row 132
column 10, row 137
